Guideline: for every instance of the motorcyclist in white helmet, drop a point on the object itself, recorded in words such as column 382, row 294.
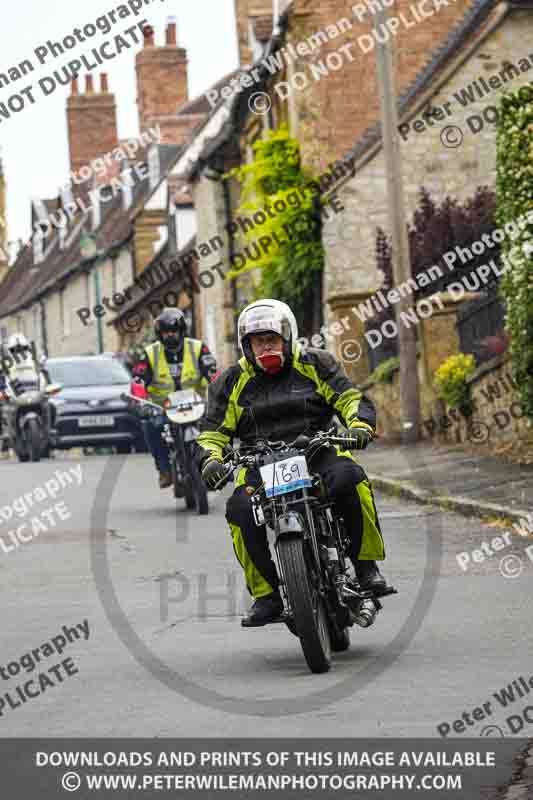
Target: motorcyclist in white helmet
column 277, row 391
column 19, row 367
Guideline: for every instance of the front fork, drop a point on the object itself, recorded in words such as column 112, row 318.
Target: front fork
column 171, row 438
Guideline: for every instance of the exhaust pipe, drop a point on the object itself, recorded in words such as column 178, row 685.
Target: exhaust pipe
column 364, row 611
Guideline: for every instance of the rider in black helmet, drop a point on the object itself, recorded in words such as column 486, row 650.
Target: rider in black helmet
column 173, row 362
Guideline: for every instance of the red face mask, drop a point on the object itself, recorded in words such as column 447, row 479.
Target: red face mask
column 271, row 362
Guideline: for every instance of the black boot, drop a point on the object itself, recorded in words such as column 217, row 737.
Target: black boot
column 369, row 576
column 264, row 610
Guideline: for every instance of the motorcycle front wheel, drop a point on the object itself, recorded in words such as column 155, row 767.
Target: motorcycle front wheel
column 195, row 488
column 199, row 489
column 32, row 435
column 307, row 606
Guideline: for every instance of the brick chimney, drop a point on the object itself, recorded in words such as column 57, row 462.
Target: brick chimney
column 245, row 12
column 162, row 84
column 92, row 122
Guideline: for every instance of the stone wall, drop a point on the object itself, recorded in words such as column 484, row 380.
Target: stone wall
column 458, row 171
column 386, row 398
column 66, row 334
column 497, row 416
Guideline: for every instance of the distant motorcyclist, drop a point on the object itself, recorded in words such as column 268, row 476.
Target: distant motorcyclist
column 277, row 391
column 18, row 374
column 171, row 363
column 20, row 370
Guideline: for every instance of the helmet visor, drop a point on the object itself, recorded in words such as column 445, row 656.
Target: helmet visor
column 264, row 320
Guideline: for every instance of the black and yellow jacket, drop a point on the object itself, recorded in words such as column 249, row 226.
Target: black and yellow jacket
column 249, row 404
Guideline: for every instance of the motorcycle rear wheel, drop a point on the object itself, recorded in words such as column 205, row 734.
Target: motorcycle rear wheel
column 309, row 612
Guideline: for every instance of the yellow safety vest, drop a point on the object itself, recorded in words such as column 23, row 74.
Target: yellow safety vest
column 162, row 381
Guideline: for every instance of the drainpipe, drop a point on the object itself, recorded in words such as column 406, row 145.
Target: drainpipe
column 97, row 298
column 231, row 250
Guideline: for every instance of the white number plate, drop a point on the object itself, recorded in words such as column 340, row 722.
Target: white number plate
column 285, row 476
column 96, row 422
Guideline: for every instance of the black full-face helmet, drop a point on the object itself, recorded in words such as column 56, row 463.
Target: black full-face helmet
column 172, row 322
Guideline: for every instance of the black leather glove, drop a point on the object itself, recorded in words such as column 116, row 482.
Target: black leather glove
column 362, row 434
column 213, row 472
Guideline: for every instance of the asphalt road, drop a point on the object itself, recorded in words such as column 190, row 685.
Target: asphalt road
column 162, row 595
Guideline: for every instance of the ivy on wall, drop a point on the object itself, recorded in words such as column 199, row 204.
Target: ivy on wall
column 514, row 194
column 275, row 182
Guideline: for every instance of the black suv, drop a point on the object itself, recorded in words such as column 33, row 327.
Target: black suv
column 88, row 411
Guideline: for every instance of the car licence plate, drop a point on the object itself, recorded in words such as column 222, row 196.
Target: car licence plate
column 96, row 421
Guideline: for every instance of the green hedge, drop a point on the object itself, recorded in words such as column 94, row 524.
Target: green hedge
column 514, row 193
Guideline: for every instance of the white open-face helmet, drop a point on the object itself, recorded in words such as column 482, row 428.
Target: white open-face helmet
column 267, row 316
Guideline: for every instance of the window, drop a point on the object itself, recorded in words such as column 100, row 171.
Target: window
column 38, row 247
column 78, row 372
column 64, row 313
column 89, row 294
column 87, row 289
column 186, row 226
column 154, row 167
column 36, row 327
column 114, row 276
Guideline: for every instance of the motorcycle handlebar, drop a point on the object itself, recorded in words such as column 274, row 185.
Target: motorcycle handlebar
column 302, row 442
column 126, row 396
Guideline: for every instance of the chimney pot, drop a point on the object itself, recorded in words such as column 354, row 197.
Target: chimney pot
column 148, row 33
column 74, row 86
column 104, row 86
column 171, row 33
column 89, row 87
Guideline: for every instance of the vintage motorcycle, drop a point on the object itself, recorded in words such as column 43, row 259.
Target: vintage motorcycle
column 322, row 600
column 27, row 419
column 183, row 410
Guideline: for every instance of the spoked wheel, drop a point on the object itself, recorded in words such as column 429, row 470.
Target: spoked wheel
column 195, row 488
column 176, row 484
column 199, row 489
column 310, row 616
column 190, row 499
column 33, row 440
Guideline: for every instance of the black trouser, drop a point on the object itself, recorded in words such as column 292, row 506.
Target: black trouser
column 346, row 483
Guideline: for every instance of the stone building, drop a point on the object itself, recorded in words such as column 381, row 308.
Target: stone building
column 332, row 111
column 448, row 145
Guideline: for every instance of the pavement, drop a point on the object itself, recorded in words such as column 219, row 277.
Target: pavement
column 468, row 482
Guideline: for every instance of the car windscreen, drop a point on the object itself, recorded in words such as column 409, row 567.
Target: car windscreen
column 90, row 372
